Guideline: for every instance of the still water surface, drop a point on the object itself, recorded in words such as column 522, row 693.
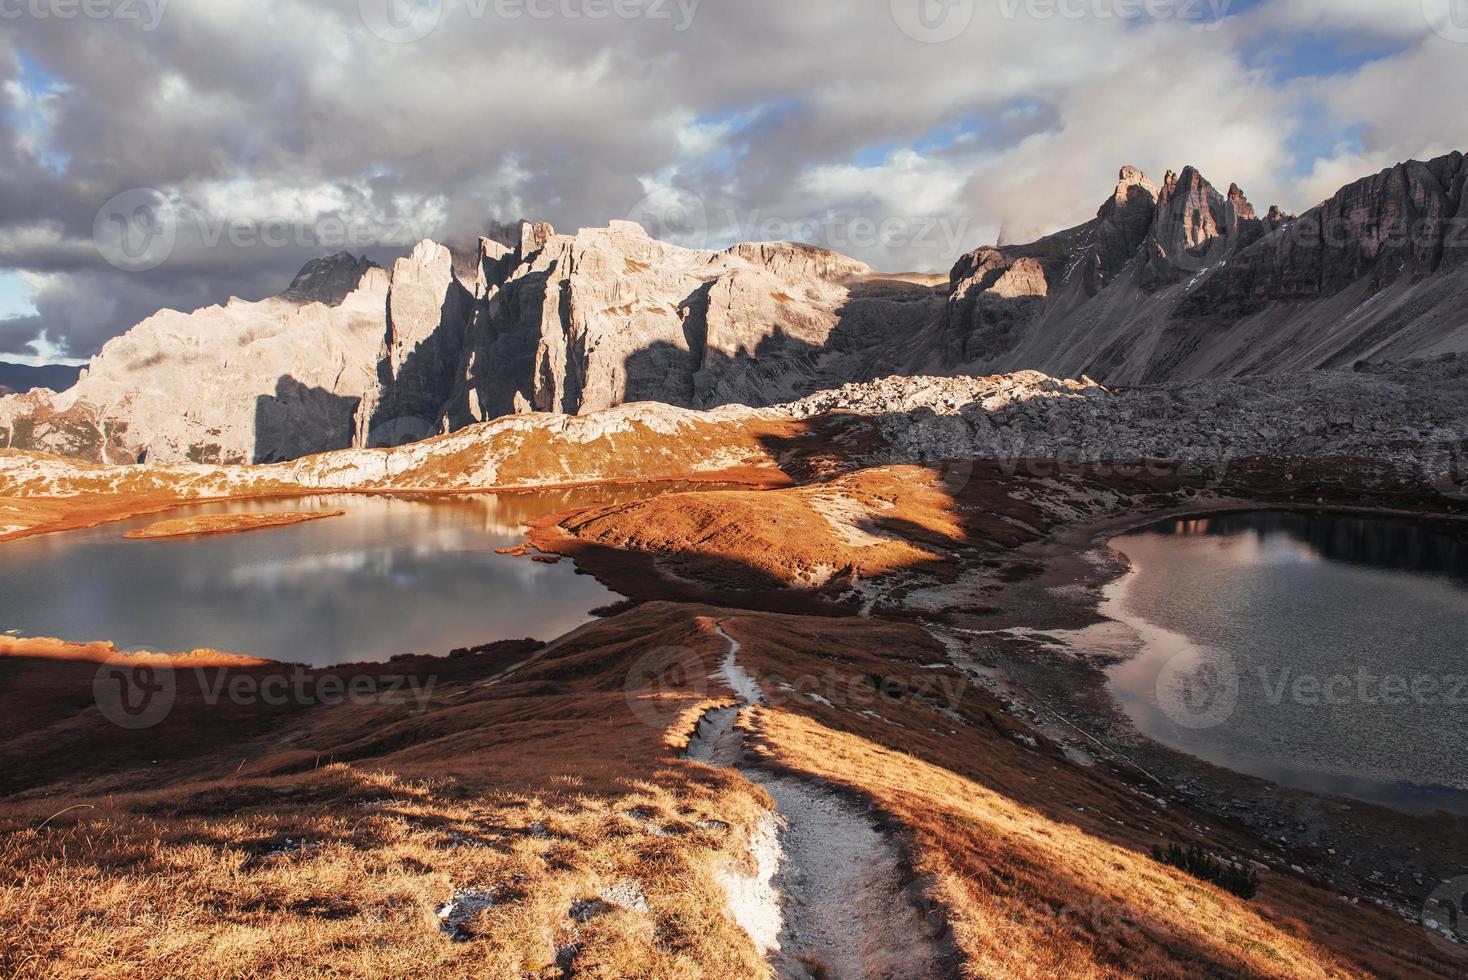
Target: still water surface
column 1328, row 652
column 394, row 575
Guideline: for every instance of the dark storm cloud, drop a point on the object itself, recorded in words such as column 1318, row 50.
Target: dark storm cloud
column 295, row 117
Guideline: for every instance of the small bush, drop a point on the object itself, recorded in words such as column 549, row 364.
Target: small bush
column 1196, row 862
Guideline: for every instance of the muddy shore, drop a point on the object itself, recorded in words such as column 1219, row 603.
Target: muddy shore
column 1036, row 655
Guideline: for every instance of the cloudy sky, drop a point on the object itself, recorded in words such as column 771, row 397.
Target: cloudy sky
column 240, row 138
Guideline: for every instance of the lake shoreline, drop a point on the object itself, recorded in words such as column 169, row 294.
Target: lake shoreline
column 1395, row 857
column 197, row 527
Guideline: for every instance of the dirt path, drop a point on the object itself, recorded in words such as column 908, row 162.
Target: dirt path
column 836, row 891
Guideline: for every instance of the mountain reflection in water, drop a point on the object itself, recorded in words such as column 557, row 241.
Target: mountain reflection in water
column 1317, row 650
column 395, row 574
column 1359, row 540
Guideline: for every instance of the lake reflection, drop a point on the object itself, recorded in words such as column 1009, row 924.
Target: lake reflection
column 1320, row 651
column 394, row 575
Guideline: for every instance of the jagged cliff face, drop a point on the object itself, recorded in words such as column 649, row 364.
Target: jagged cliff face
column 242, row 382
column 1169, row 281
column 558, row 323
column 1182, row 281
column 607, row 316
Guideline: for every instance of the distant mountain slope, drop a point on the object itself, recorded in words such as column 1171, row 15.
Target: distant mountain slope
column 1168, row 282
column 20, row 378
column 1182, row 281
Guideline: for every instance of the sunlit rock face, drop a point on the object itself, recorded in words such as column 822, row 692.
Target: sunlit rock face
column 558, row 323
column 1170, row 281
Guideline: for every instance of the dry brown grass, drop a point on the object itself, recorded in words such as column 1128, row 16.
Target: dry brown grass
column 30, row 515
column 1043, row 866
column 544, row 786
column 776, row 539
column 537, row 775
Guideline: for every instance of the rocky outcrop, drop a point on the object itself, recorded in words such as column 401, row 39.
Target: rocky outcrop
column 1168, row 282
column 1182, row 281
column 238, row 383
column 554, row 323
column 1404, row 223
column 329, row 280
column 1412, row 419
column 609, row 315
column 428, row 313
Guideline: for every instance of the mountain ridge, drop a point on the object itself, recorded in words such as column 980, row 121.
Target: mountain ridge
column 1170, row 281
column 18, row 379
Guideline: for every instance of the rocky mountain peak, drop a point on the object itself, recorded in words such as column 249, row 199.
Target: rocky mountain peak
column 533, row 237
column 1133, row 191
column 328, row 280
column 1242, row 209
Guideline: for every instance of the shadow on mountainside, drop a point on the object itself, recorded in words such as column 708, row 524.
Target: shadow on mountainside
column 870, row 338
column 413, row 396
column 299, row 420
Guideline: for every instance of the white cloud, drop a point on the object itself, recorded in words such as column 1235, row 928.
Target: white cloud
column 761, row 108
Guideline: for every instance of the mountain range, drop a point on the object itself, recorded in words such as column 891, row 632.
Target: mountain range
column 1171, row 281
column 20, row 378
